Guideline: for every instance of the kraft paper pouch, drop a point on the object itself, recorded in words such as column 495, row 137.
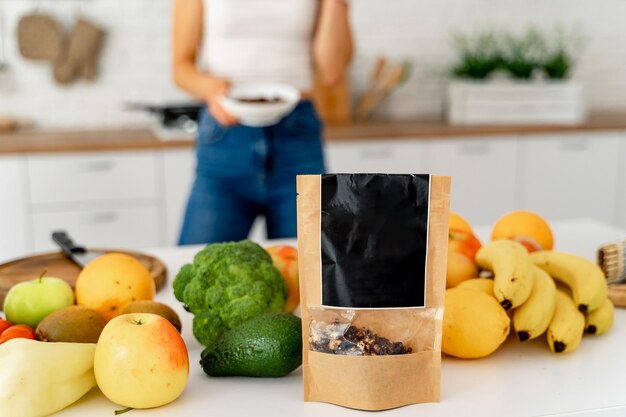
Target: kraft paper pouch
column 372, row 259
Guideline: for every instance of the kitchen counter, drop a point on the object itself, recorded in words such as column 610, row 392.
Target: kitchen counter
column 44, row 141
column 516, row 381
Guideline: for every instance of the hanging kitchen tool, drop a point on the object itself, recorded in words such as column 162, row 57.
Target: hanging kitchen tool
column 84, row 47
column 40, row 37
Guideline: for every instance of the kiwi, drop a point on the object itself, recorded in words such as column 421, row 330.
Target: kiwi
column 76, row 324
column 154, row 307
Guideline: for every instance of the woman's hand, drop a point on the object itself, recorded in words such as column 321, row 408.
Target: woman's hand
column 217, row 88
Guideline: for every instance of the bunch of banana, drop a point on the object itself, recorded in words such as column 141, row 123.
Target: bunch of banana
column 525, row 284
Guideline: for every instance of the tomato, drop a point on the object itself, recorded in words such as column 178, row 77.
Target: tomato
column 18, row 330
column 4, row 324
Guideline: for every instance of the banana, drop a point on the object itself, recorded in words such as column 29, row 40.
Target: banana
column 600, row 320
column 584, row 278
column 510, row 264
column 532, row 318
column 41, row 378
column 567, row 325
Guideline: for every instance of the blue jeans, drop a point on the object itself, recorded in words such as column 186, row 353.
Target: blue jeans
column 243, row 172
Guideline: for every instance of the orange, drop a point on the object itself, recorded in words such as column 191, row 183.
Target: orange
column 463, row 242
column 460, row 268
column 525, row 227
column 285, row 259
column 112, row 281
column 459, row 223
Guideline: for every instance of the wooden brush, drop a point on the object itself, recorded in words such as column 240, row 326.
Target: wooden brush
column 612, row 260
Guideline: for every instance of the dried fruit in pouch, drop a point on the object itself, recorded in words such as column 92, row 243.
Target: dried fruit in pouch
column 372, row 273
column 345, row 339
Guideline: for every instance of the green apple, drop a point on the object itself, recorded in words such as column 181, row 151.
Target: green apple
column 141, row 361
column 29, row 302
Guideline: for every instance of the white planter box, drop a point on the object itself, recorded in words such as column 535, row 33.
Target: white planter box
column 515, row 102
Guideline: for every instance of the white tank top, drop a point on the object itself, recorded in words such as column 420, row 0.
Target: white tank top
column 259, row 40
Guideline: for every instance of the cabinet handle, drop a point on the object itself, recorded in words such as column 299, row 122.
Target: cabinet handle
column 481, row 148
column 96, row 166
column 376, row 153
column 104, row 217
column 574, row 144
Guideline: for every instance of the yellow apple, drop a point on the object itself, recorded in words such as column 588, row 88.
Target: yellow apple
column 285, row 259
column 141, row 361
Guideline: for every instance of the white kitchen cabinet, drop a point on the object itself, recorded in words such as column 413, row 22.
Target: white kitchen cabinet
column 93, row 177
column 377, row 156
column 573, row 176
column 483, row 171
column 14, row 226
column 104, row 227
column 103, row 199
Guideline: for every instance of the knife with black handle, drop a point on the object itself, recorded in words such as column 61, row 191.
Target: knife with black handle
column 79, row 254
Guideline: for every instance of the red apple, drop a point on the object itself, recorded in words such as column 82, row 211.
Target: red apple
column 461, row 241
column 285, row 259
column 141, row 361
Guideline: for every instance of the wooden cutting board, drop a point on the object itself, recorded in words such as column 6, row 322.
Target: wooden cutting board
column 333, row 103
column 58, row 265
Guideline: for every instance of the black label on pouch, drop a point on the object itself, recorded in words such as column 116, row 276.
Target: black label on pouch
column 373, row 240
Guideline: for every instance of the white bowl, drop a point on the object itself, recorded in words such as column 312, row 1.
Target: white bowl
column 260, row 114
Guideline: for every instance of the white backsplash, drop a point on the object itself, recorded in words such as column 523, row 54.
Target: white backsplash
column 135, row 64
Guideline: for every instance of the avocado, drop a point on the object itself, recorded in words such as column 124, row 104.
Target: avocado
column 269, row 345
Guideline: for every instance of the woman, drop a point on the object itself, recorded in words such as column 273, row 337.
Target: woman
column 243, row 172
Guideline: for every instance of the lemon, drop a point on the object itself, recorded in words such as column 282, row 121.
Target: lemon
column 479, row 284
column 474, row 324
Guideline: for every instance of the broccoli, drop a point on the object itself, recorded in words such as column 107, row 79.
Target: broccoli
column 226, row 284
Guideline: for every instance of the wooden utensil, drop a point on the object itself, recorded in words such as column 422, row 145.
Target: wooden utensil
column 366, row 103
column 58, row 265
column 395, row 76
column 389, row 82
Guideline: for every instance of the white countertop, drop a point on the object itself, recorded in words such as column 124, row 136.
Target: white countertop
column 517, row 380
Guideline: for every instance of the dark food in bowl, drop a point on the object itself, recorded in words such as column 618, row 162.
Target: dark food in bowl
column 260, row 100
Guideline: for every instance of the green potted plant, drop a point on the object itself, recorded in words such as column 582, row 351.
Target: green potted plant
column 505, row 78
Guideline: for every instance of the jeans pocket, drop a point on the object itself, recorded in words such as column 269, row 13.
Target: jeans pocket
column 209, row 129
